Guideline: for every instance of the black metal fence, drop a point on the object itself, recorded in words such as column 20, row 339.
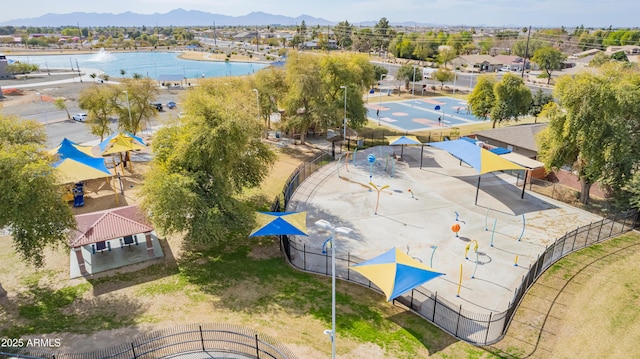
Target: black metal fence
column 213, row 339
column 472, row 327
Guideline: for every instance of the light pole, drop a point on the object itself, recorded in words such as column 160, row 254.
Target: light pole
column 342, row 230
column 413, row 84
column 344, row 120
column 380, row 97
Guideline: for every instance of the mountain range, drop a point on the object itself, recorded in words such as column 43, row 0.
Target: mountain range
column 178, row 17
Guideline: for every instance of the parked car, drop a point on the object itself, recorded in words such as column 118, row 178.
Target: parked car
column 81, row 117
column 171, row 105
column 157, row 105
column 505, row 68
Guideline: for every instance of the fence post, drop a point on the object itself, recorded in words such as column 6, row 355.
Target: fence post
column 304, row 256
column 458, row 323
column 600, row 229
column 411, row 303
column 133, row 349
column 613, row 222
column 588, row 232
column 257, row 350
column 574, row 241
column 435, row 302
column 201, row 338
column 486, row 337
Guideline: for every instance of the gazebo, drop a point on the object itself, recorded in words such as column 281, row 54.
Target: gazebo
column 111, row 239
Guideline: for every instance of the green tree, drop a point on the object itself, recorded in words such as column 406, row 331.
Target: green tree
column 512, row 99
column 100, row 102
column 620, row 56
column 362, row 40
column 445, row 56
column 382, row 34
column 62, row 105
column 482, row 98
column 599, row 59
column 549, row 60
column 204, row 161
column 520, row 47
column 303, row 102
column 343, row 32
column 582, row 131
column 443, row 75
column 272, row 87
column 538, row 101
column 406, row 73
column 21, row 68
column 135, row 99
column 32, row 205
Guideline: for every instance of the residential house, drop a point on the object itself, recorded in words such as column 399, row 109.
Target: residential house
column 477, row 63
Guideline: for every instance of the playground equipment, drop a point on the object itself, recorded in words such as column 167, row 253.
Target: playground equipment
column 523, row 225
column 460, row 282
column 371, row 159
column 495, row 221
column 456, row 228
column 432, row 253
column 379, row 190
column 475, row 249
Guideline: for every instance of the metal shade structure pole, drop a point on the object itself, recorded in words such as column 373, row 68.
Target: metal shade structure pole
column 344, row 120
column 324, row 224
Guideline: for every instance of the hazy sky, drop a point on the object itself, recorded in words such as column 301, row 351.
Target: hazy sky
column 569, row 13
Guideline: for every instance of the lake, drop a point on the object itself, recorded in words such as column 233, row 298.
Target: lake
column 149, row 64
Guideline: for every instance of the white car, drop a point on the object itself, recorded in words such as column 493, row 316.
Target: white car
column 505, row 68
column 81, row 117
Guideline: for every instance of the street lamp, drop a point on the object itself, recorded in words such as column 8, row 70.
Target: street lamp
column 344, row 121
column 342, row 230
column 380, row 102
column 413, row 84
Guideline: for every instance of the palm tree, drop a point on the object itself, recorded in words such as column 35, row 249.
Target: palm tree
column 93, row 76
column 122, row 72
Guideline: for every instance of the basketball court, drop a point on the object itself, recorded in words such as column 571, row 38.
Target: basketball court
column 421, row 114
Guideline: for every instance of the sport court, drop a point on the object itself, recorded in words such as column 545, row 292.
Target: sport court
column 421, row 114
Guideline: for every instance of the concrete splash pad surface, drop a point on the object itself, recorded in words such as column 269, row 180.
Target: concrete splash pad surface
column 420, row 220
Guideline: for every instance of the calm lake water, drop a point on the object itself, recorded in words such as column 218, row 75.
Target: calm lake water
column 150, row 64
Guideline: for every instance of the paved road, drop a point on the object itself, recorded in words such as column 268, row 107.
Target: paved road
column 58, row 126
column 464, row 80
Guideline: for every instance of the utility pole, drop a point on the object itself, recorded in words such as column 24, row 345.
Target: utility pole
column 257, row 40
column 526, row 52
column 215, row 42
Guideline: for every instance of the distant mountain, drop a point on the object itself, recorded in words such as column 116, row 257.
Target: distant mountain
column 178, row 17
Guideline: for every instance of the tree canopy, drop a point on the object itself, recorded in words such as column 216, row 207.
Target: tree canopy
column 549, row 60
column 502, row 101
column 314, row 97
column 203, row 162
column 32, row 205
column 595, row 127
